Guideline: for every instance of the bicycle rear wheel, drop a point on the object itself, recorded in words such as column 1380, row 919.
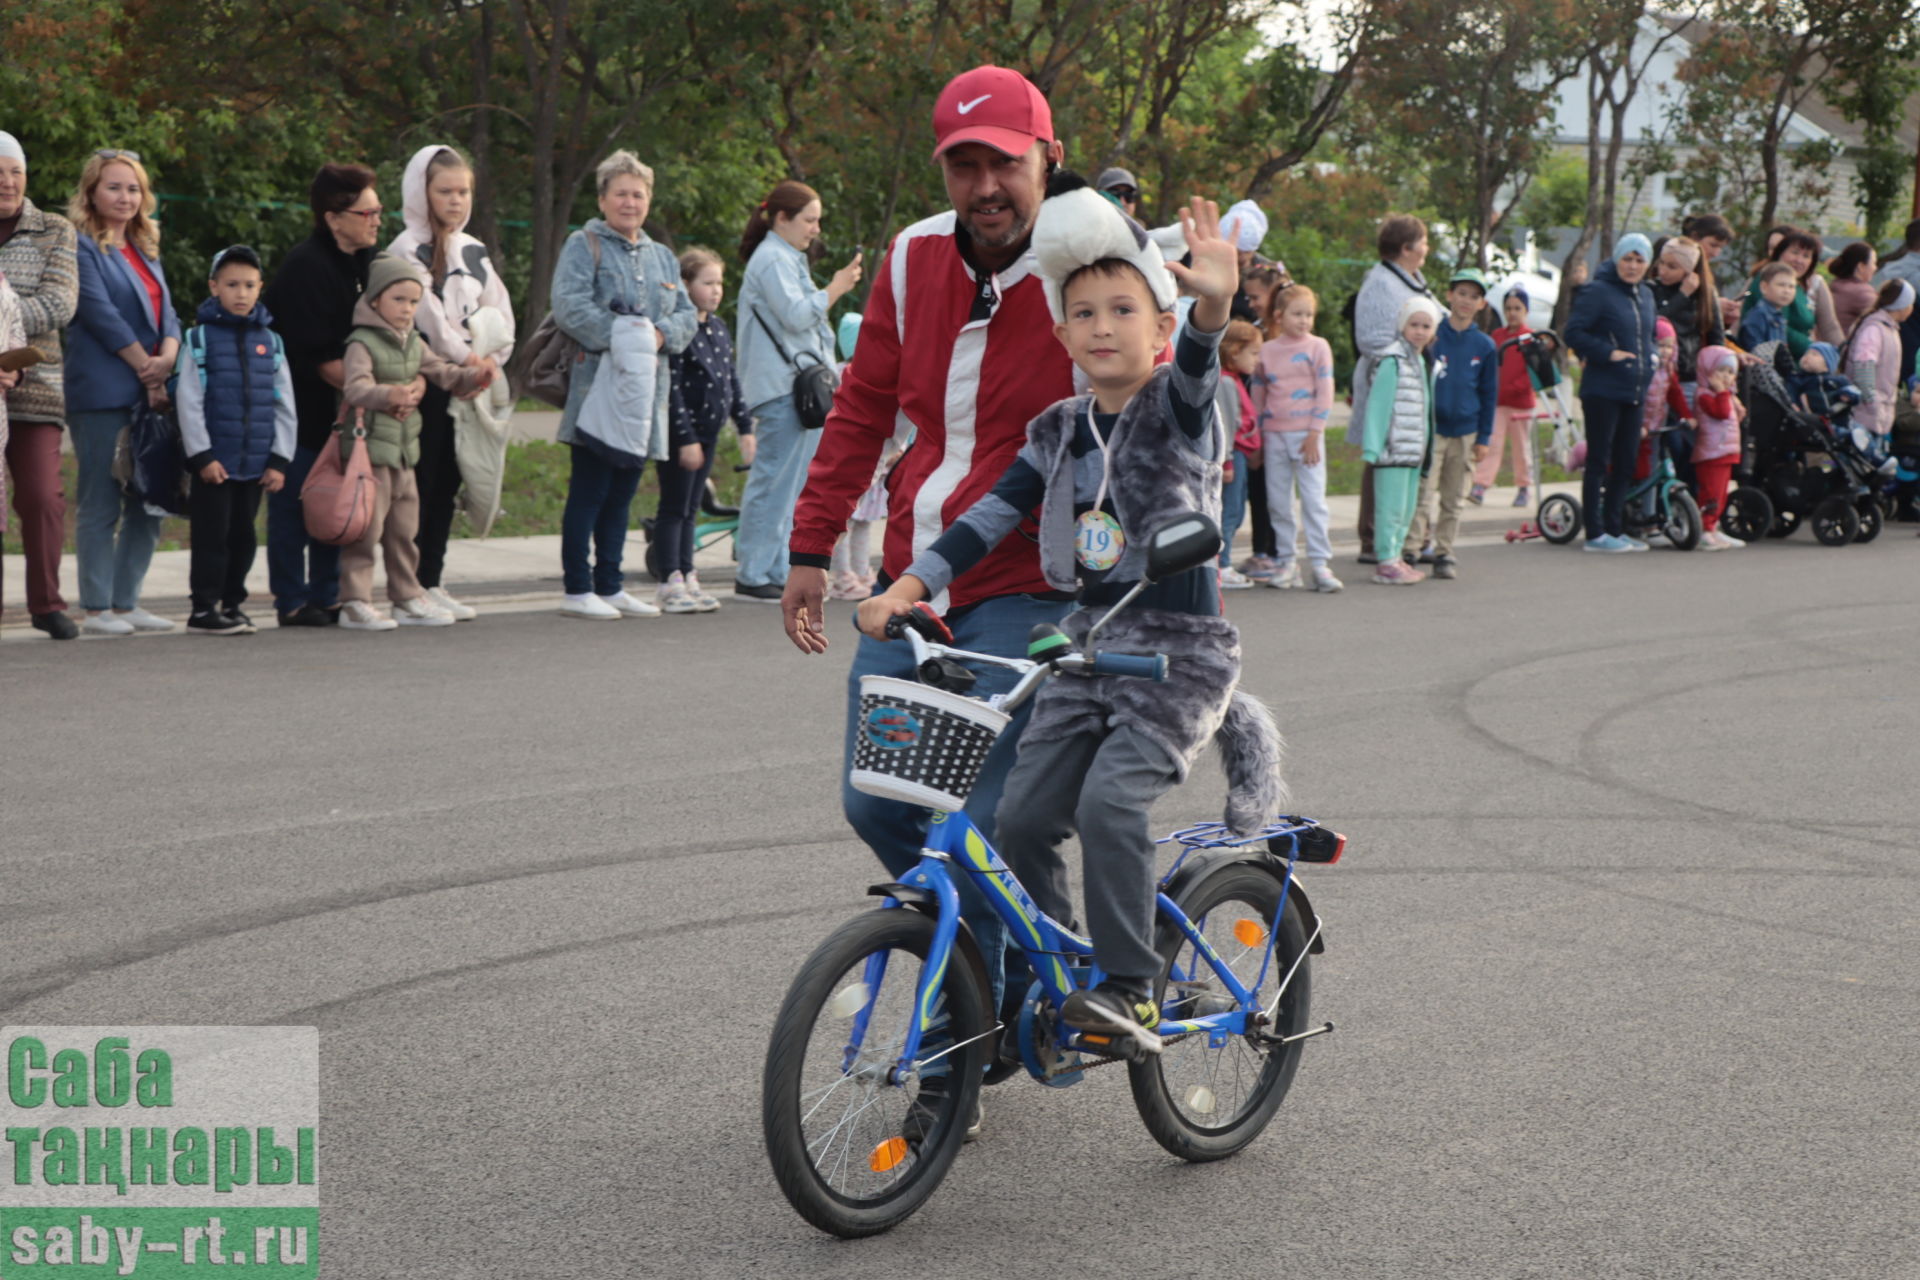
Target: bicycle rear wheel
column 855, row 1154
column 1203, row 1102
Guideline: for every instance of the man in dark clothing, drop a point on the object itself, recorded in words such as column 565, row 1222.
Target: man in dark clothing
column 312, row 299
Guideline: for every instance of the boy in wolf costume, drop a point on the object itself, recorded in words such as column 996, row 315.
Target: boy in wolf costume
column 1104, row 470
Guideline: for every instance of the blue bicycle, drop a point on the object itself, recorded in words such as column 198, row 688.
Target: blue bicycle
column 886, row 1034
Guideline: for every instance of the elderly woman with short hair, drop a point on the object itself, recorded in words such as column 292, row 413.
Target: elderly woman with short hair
column 37, row 258
column 611, row 268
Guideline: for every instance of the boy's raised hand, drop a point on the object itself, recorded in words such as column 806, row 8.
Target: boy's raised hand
column 1215, row 274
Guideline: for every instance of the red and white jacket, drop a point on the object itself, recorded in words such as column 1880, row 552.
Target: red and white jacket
column 969, row 387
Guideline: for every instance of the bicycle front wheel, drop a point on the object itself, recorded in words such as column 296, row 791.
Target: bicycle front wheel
column 1203, row 1101
column 854, row 1152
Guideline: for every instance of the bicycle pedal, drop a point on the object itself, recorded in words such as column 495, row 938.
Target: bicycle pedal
column 1124, row 1047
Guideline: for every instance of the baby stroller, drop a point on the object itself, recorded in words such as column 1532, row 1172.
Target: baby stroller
column 1539, row 352
column 1807, row 467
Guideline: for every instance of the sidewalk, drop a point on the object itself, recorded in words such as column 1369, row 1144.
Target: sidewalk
column 500, row 570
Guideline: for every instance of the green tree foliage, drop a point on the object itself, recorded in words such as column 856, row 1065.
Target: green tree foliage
column 1468, row 92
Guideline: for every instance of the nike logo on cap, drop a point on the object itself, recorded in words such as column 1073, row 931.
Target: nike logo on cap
column 965, row 108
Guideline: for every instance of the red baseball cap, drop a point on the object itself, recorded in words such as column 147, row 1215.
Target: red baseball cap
column 994, row 105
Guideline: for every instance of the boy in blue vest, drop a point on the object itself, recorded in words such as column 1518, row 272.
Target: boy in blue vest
column 234, row 394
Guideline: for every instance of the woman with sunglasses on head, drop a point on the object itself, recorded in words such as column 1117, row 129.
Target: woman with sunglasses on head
column 312, row 297
column 120, row 351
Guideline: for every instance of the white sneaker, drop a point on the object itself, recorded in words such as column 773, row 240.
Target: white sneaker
column 1323, row 579
column 453, row 608
column 420, row 612
column 358, row 615
column 587, row 606
column 1287, row 577
column 106, row 624
column 703, row 601
column 1730, row 542
column 673, row 597
column 1232, row 579
column 1711, row 541
column 140, row 620
column 631, row 605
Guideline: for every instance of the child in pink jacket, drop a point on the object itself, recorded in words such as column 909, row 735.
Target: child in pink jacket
column 1293, row 394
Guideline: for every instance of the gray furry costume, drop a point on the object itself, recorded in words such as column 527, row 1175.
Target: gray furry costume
column 1155, row 478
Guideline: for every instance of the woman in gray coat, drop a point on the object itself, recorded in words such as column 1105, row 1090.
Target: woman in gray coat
column 611, row 268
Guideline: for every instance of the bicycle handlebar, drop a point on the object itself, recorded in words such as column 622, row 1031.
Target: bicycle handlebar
column 920, row 627
column 1147, row 666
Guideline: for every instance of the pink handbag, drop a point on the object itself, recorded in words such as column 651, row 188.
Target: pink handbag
column 337, row 499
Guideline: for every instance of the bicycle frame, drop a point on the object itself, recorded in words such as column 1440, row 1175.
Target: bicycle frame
column 1054, row 951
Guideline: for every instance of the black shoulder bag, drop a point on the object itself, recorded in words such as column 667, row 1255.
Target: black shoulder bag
column 813, row 384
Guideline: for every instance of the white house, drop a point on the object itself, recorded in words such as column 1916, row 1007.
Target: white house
column 1661, row 89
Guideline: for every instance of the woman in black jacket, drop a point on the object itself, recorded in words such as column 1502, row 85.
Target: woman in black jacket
column 1611, row 329
column 312, row 298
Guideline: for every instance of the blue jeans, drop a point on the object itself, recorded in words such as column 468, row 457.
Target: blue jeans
column 599, row 505
column 301, row 570
column 114, row 536
column 1233, row 506
column 773, row 487
column 897, row 832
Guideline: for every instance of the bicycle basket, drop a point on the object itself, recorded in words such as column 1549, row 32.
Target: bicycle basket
column 920, row 745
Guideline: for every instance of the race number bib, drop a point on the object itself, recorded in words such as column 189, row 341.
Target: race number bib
column 1098, row 540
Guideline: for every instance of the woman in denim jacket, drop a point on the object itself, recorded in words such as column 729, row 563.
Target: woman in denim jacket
column 780, row 311
column 611, row 267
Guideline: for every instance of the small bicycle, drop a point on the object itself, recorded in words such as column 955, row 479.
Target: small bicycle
column 897, row 999
column 1659, row 504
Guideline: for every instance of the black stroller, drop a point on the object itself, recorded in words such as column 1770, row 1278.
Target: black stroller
column 1796, row 466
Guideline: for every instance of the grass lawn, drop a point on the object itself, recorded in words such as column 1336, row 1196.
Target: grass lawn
column 532, row 496
column 536, row 490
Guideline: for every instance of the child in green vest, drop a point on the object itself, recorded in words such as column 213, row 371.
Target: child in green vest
column 386, row 367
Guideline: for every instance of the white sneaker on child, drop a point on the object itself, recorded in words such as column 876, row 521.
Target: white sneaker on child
column 1286, row 577
column 358, row 615
column 704, row 602
column 1323, row 579
column 672, row 597
column 420, row 612
column 1231, row 579
column 448, row 605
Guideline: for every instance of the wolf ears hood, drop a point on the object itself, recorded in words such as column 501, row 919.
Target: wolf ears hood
column 1078, row 227
column 413, row 194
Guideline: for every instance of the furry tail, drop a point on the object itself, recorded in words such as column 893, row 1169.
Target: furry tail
column 1251, row 750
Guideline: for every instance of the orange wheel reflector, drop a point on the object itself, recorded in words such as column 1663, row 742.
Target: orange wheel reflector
column 1250, row 933
column 888, row 1155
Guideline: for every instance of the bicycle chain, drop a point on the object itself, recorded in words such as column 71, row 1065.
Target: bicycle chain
column 1089, row 1065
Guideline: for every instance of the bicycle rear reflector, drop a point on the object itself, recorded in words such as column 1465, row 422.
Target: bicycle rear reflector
column 1249, row 933
column 888, row 1155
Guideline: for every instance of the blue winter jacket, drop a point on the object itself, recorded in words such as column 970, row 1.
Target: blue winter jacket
column 1466, row 382
column 237, row 408
column 1611, row 315
column 114, row 312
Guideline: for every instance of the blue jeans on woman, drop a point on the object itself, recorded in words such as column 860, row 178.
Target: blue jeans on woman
column 1613, row 446
column 895, row 831
column 301, row 569
column 779, row 472
column 114, row 536
column 599, row 506
column 1233, row 507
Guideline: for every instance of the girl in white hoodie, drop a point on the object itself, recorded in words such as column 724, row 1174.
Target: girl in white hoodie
column 436, row 196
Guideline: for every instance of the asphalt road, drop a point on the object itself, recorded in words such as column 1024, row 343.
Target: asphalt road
column 1623, row 952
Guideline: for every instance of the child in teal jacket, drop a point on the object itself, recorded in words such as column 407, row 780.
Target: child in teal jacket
column 1398, row 435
